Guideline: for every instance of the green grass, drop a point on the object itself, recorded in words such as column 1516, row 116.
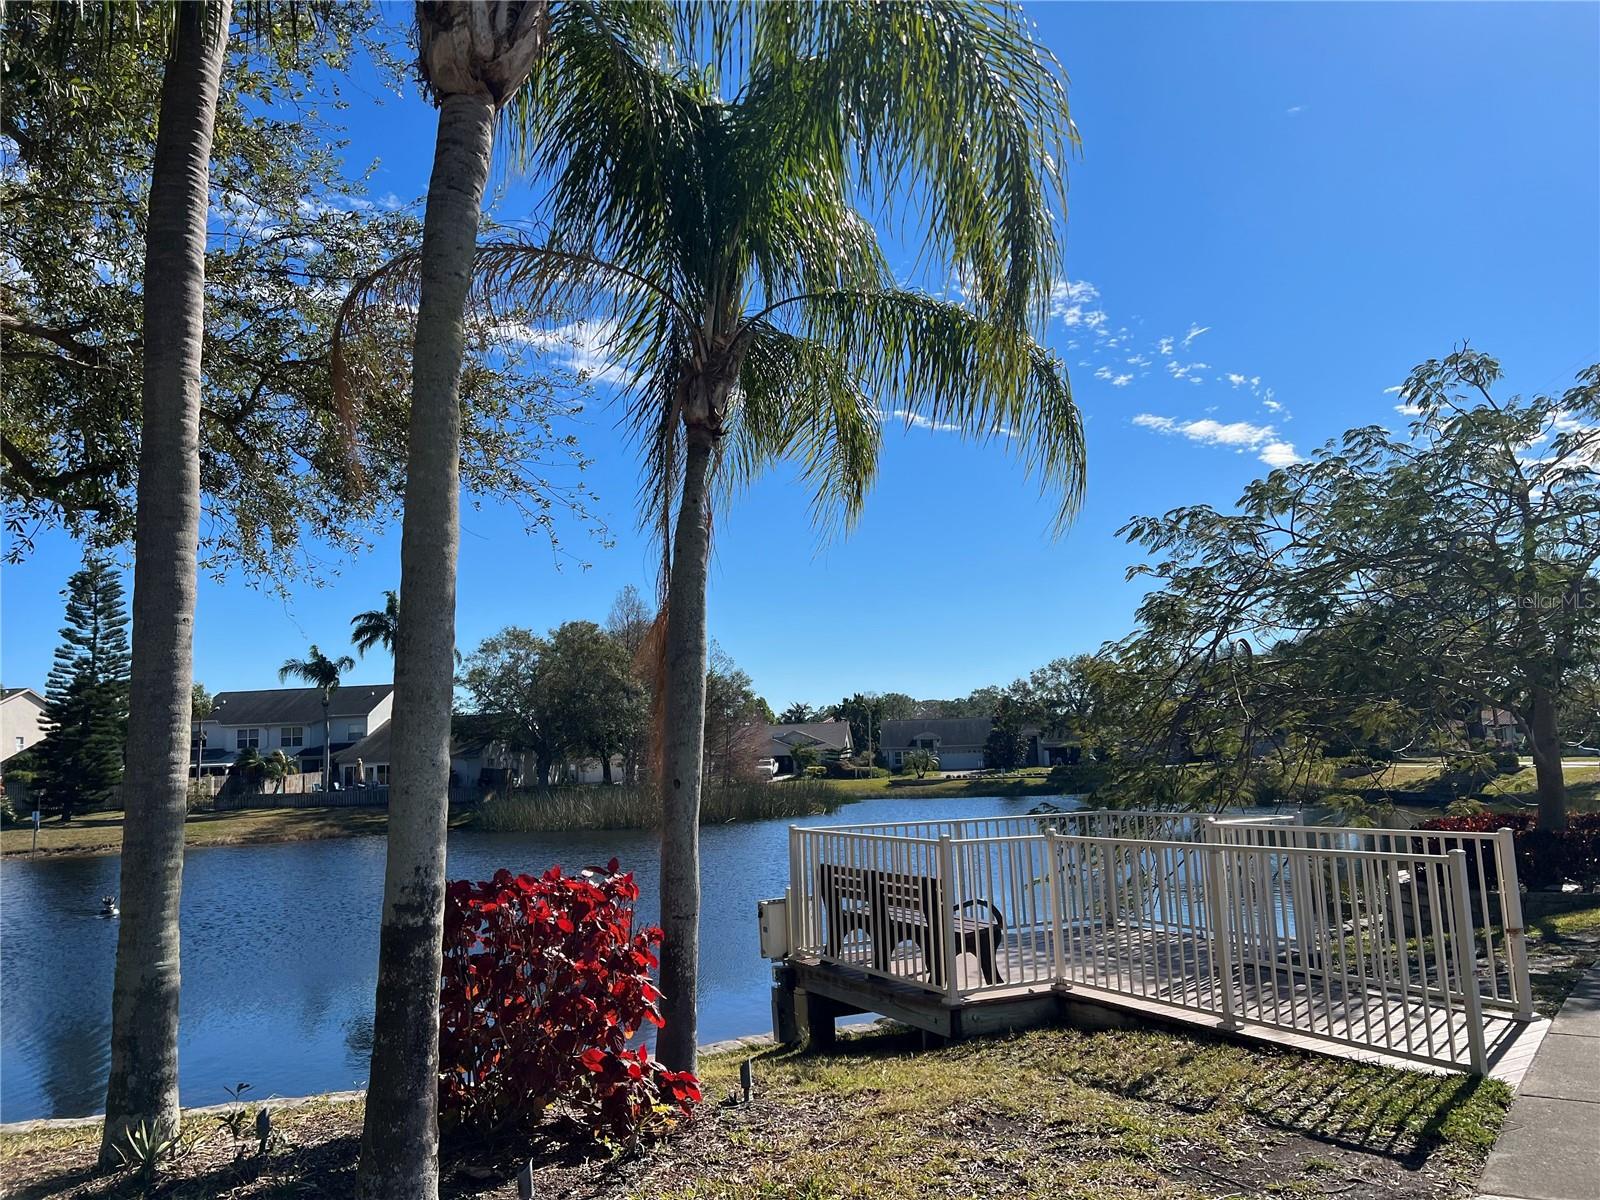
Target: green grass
column 1132, row 1115
column 622, row 807
column 101, row 832
column 1056, row 1112
column 1030, row 781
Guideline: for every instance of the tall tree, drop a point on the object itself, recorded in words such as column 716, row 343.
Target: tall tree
column 736, row 721
column 143, row 1086
column 322, row 673
column 707, row 217
column 201, row 706
column 473, row 59
column 287, row 474
column 80, row 759
column 632, row 623
column 376, row 626
column 1456, row 566
column 797, row 713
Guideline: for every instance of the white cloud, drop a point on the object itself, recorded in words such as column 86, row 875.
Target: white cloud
column 916, row 420
column 1279, row 454
column 1121, row 380
column 582, row 346
column 1164, row 345
column 1270, row 448
column 1138, row 360
column 1236, row 379
column 1194, row 332
column 1295, row 108
column 1272, row 406
column 1073, row 303
column 1408, row 410
column 1392, row 391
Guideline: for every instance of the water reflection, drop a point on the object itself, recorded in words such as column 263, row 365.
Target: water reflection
column 280, row 947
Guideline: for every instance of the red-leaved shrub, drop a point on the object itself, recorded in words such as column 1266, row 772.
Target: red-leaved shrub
column 545, row 984
column 1571, row 854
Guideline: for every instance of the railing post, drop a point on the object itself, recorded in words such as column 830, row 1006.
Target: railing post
column 1505, row 863
column 946, row 917
column 1058, row 916
column 796, row 892
column 1218, row 905
column 1461, row 919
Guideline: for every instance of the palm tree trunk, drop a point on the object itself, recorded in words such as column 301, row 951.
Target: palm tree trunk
column 683, row 762
column 327, row 749
column 143, row 1087
column 400, row 1140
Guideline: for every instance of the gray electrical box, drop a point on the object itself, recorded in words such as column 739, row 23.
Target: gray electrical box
column 774, row 918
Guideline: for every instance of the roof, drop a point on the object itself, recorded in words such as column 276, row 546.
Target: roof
column 374, row 748
column 832, row 735
column 10, row 693
column 296, row 706
column 951, row 731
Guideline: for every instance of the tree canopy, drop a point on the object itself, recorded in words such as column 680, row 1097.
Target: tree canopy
column 286, row 474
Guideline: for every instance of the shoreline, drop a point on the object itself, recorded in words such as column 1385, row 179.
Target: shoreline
column 753, row 1041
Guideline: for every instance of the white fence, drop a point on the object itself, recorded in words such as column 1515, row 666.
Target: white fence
column 1389, row 939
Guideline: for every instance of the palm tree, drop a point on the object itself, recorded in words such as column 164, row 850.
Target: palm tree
column 712, row 226
column 474, row 60
column 376, row 625
column 322, row 673
column 142, row 1089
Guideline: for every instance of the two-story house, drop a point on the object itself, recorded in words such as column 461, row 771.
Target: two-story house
column 22, row 721
column 292, row 720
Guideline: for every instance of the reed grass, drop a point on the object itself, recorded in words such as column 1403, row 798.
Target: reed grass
column 623, row 807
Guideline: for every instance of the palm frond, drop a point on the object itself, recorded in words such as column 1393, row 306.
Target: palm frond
column 934, row 361
column 799, row 401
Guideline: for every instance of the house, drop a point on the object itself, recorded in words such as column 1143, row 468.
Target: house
column 957, row 742
column 291, row 720
column 1497, row 726
column 22, row 720
column 477, row 760
column 830, row 739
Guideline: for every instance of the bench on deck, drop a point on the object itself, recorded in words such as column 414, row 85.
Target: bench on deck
column 893, row 908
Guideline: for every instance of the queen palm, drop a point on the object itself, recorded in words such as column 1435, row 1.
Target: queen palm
column 712, row 227
column 474, row 60
column 376, row 626
column 322, row 673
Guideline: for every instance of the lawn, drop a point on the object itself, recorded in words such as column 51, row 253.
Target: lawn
column 1030, row 781
column 101, row 832
column 1049, row 1113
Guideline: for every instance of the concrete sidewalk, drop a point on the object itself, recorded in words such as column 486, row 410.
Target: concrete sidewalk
column 1550, row 1146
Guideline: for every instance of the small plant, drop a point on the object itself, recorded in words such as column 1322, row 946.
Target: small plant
column 145, row 1148
column 919, row 762
column 236, row 1120
column 546, row 987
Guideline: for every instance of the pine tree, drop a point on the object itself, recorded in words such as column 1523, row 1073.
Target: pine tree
column 80, row 758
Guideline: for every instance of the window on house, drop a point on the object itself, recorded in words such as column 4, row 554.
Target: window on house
column 357, row 730
column 292, row 737
column 19, row 742
column 247, row 739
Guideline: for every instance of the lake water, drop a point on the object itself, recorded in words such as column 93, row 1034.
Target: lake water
column 280, row 947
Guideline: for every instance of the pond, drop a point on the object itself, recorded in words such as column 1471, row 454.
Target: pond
column 280, row 946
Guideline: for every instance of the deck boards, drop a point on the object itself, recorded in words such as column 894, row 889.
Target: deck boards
column 1170, row 974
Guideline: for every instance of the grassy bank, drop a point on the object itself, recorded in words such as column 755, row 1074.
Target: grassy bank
column 1031, row 781
column 623, row 807
column 1053, row 1112
column 101, row 833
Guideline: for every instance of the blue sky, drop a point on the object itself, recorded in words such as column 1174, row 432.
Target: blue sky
column 1316, row 197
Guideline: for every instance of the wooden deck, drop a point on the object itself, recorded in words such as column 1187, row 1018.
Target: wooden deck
column 1166, row 977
